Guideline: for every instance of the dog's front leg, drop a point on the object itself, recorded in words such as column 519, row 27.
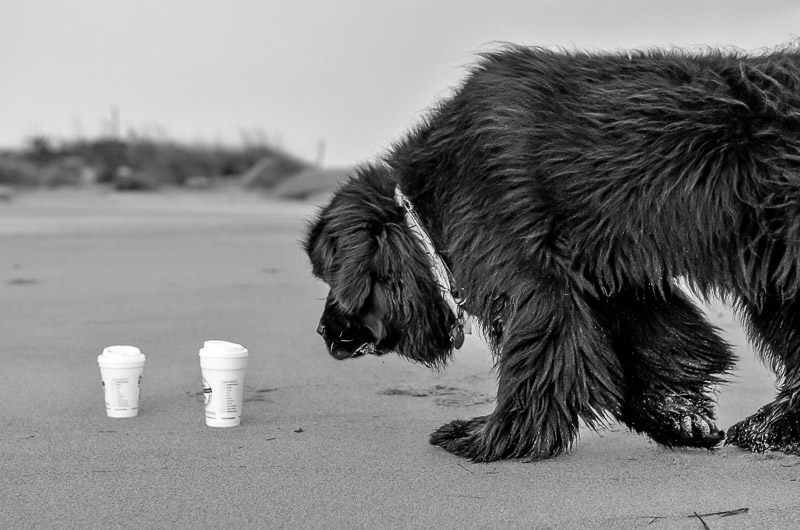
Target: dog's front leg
column 556, row 367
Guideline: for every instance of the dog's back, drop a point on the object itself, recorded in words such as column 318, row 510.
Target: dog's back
column 677, row 155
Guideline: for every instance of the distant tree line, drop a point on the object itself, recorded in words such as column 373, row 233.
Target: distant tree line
column 152, row 162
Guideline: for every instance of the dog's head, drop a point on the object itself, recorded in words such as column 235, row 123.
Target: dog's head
column 383, row 296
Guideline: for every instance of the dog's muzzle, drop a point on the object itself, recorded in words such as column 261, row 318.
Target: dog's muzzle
column 340, row 348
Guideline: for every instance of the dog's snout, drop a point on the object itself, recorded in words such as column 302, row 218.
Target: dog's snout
column 321, row 328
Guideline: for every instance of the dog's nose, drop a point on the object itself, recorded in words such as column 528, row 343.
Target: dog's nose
column 321, row 328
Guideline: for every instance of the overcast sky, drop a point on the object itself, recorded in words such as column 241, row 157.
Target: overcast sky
column 354, row 74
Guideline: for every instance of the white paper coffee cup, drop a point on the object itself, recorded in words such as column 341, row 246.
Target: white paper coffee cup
column 121, row 369
column 223, row 365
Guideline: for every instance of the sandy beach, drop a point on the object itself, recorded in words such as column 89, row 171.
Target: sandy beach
column 323, row 443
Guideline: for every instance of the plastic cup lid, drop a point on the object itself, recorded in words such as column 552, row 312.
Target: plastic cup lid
column 121, row 354
column 223, row 348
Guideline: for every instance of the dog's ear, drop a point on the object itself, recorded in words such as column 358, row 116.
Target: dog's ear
column 352, row 282
column 346, row 242
column 320, row 247
column 342, row 256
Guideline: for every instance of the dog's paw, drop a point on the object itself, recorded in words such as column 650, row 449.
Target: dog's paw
column 483, row 440
column 462, row 438
column 772, row 428
column 676, row 420
column 694, row 429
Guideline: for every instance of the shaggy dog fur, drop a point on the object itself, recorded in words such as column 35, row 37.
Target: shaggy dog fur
column 567, row 192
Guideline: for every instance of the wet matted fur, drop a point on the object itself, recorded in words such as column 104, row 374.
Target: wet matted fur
column 567, row 192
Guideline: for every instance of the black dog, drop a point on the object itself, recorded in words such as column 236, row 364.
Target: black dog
column 567, row 192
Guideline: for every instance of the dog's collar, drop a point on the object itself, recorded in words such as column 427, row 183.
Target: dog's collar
column 444, row 278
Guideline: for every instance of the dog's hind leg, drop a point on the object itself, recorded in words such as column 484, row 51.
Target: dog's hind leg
column 555, row 367
column 774, row 327
column 671, row 355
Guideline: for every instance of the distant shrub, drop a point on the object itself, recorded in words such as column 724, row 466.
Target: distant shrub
column 18, row 172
